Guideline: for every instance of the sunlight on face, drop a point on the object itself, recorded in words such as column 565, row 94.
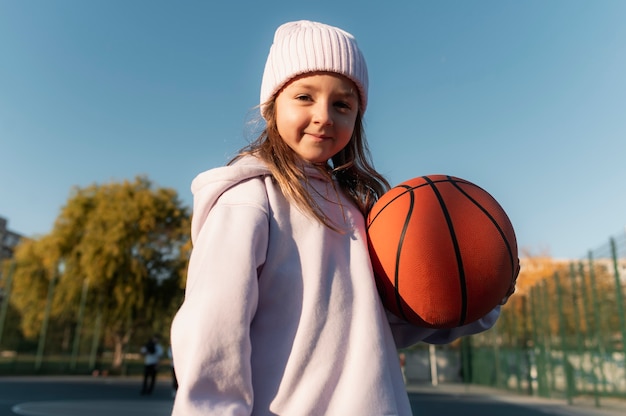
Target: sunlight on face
column 316, row 114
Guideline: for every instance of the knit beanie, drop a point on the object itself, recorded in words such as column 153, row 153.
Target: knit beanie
column 304, row 46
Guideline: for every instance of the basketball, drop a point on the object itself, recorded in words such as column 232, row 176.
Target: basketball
column 443, row 250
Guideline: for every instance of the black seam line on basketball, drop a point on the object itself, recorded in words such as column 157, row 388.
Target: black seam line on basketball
column 408, row 188
column 493, row 221
column 457, row 249
column 398, row 252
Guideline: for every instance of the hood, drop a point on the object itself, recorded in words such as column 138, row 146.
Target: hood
column 220, row 179
column 208, row 186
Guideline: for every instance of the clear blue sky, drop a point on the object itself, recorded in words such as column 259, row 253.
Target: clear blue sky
column 525, row 98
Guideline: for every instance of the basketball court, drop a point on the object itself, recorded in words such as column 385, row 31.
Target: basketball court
column 101, row 396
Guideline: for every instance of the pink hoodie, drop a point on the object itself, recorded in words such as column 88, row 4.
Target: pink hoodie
column 281, row 314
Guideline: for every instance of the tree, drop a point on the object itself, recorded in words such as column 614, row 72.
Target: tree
column 36, row 261
column 127, row 243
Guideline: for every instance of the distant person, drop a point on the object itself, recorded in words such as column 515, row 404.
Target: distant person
column 281, row 314
column 402, row 358
column 152, row 353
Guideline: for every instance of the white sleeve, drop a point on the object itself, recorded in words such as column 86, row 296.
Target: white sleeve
column 211, row 331
column 406, row 334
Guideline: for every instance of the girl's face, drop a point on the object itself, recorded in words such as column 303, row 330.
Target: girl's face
column 316, row 115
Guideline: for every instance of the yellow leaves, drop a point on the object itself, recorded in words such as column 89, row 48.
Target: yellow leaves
column 535, row 268
column 124, row 237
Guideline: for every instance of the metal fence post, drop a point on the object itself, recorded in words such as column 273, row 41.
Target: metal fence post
column 567, row 368
column 79, row 323
column 95, row 342
column 597, row 313
column 593, row 355
column 44, row 325
column 577, row 326
column 527, row 345
column 548, row 376
column 619, row 294
column 539, row 341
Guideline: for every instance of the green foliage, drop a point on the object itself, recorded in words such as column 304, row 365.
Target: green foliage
column 128, row 240
column 31, row 280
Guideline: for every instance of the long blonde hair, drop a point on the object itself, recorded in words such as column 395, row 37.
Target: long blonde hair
column 351, row 168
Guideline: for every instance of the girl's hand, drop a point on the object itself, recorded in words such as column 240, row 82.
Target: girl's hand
column 511, row 290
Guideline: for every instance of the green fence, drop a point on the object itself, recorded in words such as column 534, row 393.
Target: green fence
column 565, row 337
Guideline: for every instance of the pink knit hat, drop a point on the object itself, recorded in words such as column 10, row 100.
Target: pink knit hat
column 303, row 46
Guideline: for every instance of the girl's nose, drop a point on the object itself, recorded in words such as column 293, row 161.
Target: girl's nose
column 322, row 114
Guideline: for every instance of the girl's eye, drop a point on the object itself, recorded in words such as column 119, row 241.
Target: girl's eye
column 343, row 105
column 303, row 97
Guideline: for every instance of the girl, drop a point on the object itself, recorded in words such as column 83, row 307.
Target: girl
column 281, row 314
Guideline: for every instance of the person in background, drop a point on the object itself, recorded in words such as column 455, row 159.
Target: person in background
column 402, row 358
column 152, row 352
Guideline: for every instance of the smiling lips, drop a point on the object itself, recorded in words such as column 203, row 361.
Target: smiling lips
column 319, row 136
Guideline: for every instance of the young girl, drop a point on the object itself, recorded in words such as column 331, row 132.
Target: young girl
column 281, row 314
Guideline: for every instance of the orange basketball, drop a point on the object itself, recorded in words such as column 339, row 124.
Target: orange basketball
column 443, row 250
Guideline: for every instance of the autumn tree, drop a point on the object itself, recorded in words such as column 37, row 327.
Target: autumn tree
column 125, row 245
column 559, row 301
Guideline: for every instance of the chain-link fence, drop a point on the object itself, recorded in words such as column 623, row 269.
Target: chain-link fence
column 566, row 337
